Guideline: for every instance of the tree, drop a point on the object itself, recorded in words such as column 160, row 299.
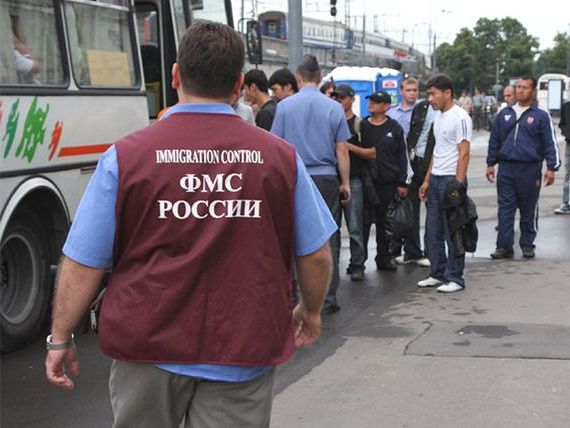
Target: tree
column 554, row 60
column 494, row 47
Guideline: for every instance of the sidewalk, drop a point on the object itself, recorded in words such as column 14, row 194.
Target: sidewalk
column 494, row 355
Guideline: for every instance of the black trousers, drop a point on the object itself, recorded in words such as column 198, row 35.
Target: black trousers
column 386, row 193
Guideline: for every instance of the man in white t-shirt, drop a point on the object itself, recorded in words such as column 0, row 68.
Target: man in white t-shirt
column 452, row 129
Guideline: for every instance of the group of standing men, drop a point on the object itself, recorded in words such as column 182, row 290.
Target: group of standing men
column 197, row 312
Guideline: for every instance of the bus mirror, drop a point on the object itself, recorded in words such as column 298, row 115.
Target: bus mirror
column 253, row 42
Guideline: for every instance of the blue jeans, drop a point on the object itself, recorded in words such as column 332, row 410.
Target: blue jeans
column 566, row 188
column 443, row 268
column 354, row 215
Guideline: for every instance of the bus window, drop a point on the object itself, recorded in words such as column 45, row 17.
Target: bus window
column 212, row 10
column 33, row 55
column 101, row 47
column 147, row 17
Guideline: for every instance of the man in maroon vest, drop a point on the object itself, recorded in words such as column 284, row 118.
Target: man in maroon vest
column 198, row 216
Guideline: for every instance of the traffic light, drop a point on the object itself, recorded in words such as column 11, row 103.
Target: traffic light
column 333, row 7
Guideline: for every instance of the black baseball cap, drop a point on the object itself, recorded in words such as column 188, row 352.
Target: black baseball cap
column 380, row 97
column 343, row 91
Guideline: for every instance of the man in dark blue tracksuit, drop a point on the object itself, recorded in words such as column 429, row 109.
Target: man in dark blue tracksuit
column 522, row 137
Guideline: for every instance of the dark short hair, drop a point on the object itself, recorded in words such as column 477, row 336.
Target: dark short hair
column 257, row 78
column 310, row 70
column 531, row 78
column 283, row 77
column 441, row 82
column 210, row 58
column 326, row 86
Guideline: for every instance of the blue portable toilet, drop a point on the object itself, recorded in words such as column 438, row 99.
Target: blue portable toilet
column 365, row 81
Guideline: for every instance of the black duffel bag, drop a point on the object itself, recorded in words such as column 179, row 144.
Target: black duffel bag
column 400, row 218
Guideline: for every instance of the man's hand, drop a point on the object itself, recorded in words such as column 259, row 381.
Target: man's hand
column 422, row 192
column 307, row 326
column 490, row 174
column 345, row 188
column 402, row 191
column 56, row 364
column 548, row 178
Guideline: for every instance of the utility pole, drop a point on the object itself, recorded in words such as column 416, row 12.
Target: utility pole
column 363, row 59
column 568, row 52
column 295, row 28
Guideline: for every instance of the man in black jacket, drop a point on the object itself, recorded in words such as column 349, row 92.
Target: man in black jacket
column 420, row 148
column 388, row 147
column 564, row 126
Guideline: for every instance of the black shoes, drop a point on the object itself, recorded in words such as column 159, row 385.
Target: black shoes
column 503, row 253
column 331, row 309
column 387, row 265
column 356, row 274
column 528, row 252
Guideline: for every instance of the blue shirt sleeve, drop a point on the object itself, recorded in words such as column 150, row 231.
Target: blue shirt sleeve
column 314, row 224
column 90, row 239
column 278, row 127
column 343, row 132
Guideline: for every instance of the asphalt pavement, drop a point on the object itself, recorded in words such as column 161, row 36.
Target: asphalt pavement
column 494, row 355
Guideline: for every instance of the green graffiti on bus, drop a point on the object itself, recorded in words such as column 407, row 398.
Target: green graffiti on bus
column 33, row 133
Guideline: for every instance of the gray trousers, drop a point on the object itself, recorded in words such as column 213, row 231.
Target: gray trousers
column 142, row 395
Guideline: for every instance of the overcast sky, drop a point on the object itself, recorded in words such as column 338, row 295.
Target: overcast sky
column 446, row 16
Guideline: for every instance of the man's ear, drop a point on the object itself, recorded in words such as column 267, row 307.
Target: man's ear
column 176, row 83
column 236, row 91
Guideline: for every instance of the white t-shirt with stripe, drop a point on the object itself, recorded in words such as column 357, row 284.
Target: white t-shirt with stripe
column 450, row 128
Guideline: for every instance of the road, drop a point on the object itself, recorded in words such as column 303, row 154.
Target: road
column 494, row 355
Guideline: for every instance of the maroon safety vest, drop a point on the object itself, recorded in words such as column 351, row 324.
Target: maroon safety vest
column 203, row 246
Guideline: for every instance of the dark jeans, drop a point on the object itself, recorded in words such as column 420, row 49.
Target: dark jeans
column 518, row 186
column 328, row 186
column 444, row 268
column 412, row 243
column 354, row 215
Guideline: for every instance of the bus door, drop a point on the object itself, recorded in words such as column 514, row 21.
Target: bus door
column 158, row 45
column 160, row 25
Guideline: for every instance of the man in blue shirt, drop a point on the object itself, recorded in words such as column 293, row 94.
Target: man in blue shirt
column 316, row 126
column 192, row 391
column 402, row 113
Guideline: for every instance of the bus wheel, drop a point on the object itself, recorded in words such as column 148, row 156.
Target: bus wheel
column 24, row 289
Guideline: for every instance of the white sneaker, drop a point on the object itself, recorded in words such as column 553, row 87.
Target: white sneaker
column 429, row 282
column 423, row 262
column 450, row 287
column 400, row 260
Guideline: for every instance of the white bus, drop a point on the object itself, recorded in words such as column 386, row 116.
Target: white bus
column 75, row 75
column 553, row 91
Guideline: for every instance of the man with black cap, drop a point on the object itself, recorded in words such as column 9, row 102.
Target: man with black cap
column 316, row 126
column 388, row 148
column 354, row 210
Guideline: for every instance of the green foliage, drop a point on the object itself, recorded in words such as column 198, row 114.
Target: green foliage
column 555, row 60
column 494, row 46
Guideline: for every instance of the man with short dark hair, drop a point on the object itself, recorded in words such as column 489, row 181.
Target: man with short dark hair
column 447, row 171
column 283, row 84
column 198, row 216
column 316, row 126
column 256, row 85
column 354, row 209
column 521, row 139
